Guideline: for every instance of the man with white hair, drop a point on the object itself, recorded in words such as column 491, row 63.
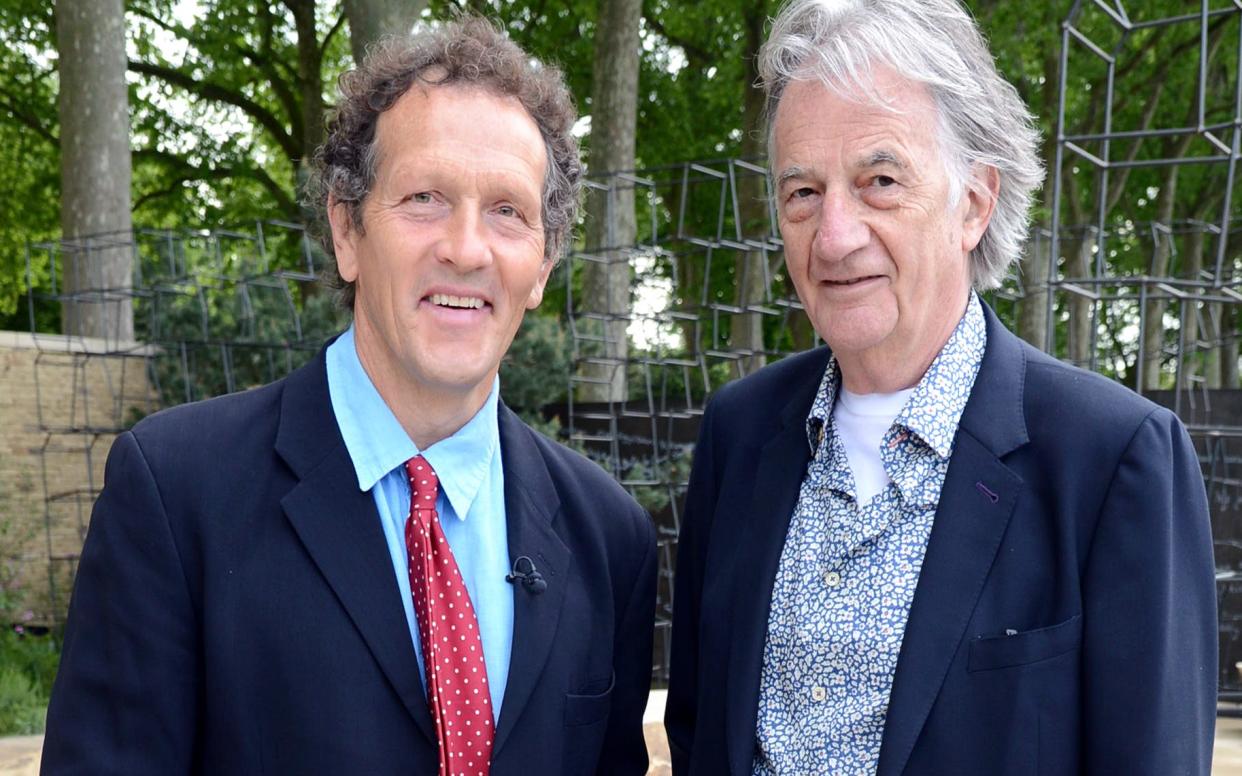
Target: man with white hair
column 928, row 548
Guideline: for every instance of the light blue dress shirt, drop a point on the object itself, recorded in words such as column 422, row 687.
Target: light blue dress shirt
column 471, row 501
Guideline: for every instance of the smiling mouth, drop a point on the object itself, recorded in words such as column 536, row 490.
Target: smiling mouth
column 457, row 302
column 851, row 281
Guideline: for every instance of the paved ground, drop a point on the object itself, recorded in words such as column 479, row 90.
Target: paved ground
column 1227, row 759
column 19, row 755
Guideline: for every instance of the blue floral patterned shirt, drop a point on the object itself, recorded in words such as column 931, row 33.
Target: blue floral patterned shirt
column 848, row 571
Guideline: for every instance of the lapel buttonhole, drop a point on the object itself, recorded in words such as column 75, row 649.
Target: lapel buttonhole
column 987, row 492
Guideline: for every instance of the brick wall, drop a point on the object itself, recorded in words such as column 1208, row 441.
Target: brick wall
column 62, row 402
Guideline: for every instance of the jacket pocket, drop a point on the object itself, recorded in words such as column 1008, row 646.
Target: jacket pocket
column 587, row 709
column 991, row 652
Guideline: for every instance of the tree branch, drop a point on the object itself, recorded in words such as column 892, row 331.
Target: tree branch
column 287, row 203
column 327, row 39
column 267, row 62
column 175, row 29
column 692, row 49
column 299, row 6
column 268, row 27
column 27, row 119
column 209, row 91
column 185, row 172
column 168, row 191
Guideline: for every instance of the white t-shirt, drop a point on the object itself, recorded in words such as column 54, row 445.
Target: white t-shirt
column 861, row 421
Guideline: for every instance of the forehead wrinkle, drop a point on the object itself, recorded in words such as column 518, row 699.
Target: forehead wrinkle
column 510, row 176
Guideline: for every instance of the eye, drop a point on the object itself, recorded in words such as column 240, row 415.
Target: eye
column 508, row 211
column 422, row 197
column 802, row 193
column 883, row 181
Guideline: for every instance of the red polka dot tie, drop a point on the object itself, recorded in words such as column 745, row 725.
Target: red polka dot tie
column 457, row 691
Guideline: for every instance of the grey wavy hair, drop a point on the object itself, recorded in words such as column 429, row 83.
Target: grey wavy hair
column 467, row 51
column 982, row 120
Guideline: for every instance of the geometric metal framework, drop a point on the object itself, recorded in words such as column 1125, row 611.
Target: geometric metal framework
column 697, row 246
column 215, row 311
column 1144, row 288
column 1147, row 152
column 1139, row 290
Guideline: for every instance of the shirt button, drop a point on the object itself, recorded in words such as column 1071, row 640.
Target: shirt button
column 832, row 579
column 818, row 694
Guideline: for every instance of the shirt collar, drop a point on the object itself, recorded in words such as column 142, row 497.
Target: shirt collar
column 377, row 443
column 936, row 406
column 940, row 398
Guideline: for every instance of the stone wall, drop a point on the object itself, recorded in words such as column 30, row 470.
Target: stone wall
column 62, row 402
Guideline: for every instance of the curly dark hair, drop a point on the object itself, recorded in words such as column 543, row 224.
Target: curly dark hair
column 469, row 51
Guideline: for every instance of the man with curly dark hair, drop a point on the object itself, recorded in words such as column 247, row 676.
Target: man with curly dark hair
column 372, row 566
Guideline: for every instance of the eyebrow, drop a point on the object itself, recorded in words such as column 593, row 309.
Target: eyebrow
column 788, row 174
column 881, row 157
column 876, row 159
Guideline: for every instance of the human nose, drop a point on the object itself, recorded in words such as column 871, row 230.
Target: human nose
column 842, row 229
column 466, row 245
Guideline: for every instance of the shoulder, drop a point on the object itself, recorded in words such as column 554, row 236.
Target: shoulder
column 592, row 502
column 213, row 418
column 779, row 378
column 1078, row 427
column 1073, row 401
column 213, row 435
column 571, row 470
column 782, row 379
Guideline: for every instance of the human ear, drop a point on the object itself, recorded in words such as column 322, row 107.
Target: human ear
column 981, row 193
column 536, row 291
column 344, row 235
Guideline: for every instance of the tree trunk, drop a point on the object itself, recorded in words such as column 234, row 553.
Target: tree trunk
column 95, row 170
column 1033, row 309
column 313, row 119
column 751, row 268
column 1081, row 339
column 610, row 221
column 370, row 20
column 688, row 286
column 1199, row 360
column 1153, row 313
column 310, row 80
column 1229, row 350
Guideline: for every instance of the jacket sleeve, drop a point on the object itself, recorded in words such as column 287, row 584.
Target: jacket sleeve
column 680, row 712
column 1150, row 634
column 126, row 696
column 625, row 748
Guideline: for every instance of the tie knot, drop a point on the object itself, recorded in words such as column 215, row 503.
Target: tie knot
column 424, row 484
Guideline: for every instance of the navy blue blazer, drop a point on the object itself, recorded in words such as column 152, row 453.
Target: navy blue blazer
column 235, row 610
column 1073, row 512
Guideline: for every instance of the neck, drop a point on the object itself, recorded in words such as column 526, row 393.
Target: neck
column 427, row 412
column 896, row 364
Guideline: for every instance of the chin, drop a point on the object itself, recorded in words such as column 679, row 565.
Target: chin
column 853, row 334
column 458, row 380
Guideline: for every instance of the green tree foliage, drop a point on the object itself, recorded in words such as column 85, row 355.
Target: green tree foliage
column 29, row 154
column 227, row 99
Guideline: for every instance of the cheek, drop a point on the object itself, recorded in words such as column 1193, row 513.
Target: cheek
column 797, row 238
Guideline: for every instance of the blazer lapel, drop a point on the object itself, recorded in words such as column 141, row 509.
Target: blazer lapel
column 778, row 479
column 976, row 503
column 531, row 505
column 339, row 526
